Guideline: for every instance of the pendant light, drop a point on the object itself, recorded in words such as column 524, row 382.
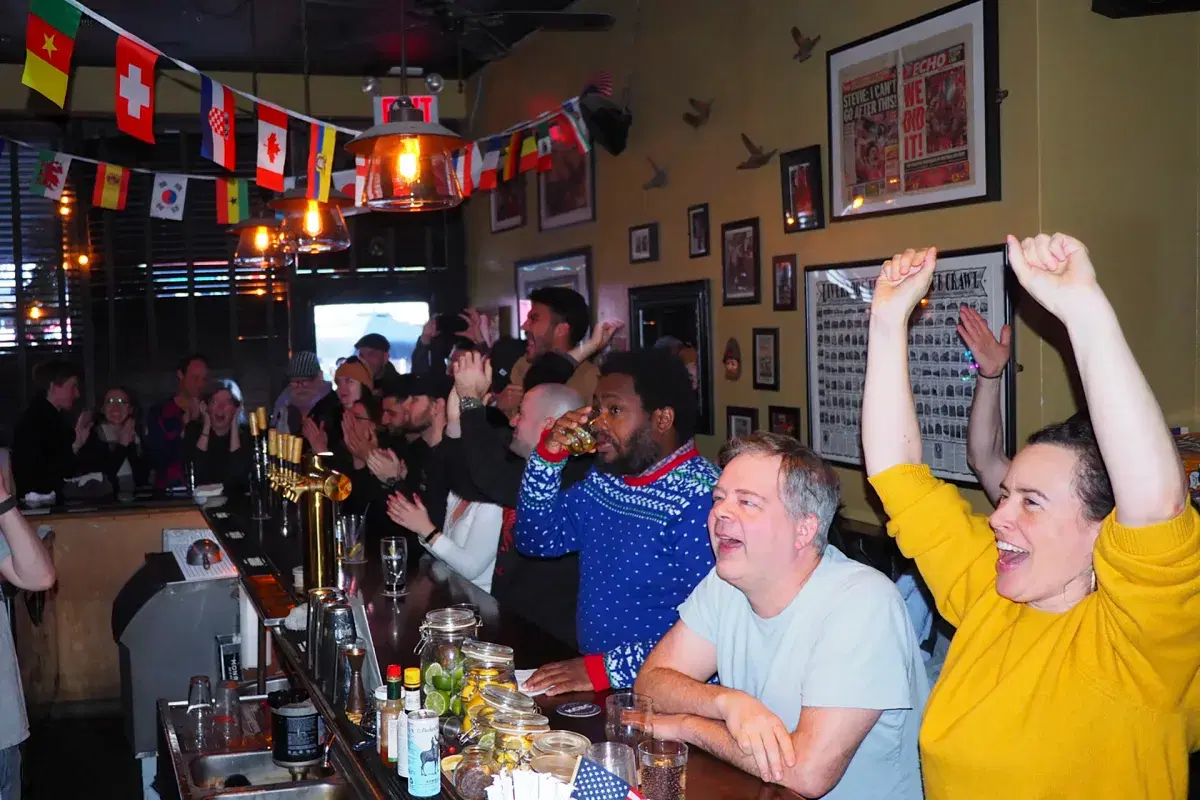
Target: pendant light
column 311, row 226
column 410, row 162
column 258, row 244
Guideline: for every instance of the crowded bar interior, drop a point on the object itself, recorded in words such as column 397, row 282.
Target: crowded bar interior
column 610, row 399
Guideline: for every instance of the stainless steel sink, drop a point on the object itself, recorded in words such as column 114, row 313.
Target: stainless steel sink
column 210, row 771
column 308, row 790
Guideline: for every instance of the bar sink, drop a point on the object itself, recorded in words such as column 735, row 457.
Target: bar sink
column 320, row 790
column 212, row 771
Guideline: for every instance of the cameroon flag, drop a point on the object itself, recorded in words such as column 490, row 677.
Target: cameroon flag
column 49, row 42
column 233, row 200
column 112, row 187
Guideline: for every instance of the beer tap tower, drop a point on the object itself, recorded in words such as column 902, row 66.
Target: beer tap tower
column 318, row 489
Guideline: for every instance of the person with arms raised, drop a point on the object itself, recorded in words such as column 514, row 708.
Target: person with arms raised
column 1077, row 601
column 638, row 521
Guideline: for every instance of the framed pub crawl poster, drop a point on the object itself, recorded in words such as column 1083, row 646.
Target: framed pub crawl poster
column 914, row 115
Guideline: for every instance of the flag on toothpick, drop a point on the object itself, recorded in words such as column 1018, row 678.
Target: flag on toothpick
column 529, row 151
column 169, row 196
column 360, row 181
column 545, row 148
column 462, row 171
column 51, row 176
column 49, row 41
column 512, row 156
column 217, row 124
column 574, row 126
column 233, row 200
column 111, row 188
column 320, row 161
column 491, row 162
column 594, row 782
column 272, row 146
column 135, row 89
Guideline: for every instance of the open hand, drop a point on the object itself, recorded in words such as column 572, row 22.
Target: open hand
column 472, row 375
column 429, row 330
column 991, row 353
column 561, row 677
column 83, row 429
column 1056, row 270
column 759, row 733
column 314, row 433
column 562, row 428
column 903, row 281
column 601, row 335
column 410, row 514
column 384, row 465
column 475, row 324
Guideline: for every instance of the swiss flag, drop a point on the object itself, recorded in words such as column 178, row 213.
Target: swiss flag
column 272, row 146
column 135, row 89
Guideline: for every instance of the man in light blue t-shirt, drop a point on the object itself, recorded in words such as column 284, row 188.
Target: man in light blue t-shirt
column 821, row 679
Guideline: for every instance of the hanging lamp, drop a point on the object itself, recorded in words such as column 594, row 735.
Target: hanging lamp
column 258, row 244
column 410, row 162
column 310, row 226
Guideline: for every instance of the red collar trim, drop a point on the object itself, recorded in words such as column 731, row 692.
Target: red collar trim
column 650, row 477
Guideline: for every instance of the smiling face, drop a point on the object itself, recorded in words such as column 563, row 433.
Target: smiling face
column 753, row 536
column 117, row 407
column 628, row 439
column 349, row 391
column 1043, row 535
column 539, row 330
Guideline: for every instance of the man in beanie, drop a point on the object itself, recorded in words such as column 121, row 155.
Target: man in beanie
column 375, row 351
column 306, row 387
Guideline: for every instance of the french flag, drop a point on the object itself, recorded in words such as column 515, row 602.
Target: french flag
column 216, row 123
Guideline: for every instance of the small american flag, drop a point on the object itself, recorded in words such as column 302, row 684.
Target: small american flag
column 593, row 782
column 601, row 82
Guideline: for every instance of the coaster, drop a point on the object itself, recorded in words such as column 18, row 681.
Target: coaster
column 578, row 710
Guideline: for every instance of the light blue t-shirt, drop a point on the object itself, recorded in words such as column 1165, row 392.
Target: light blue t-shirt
column 845, row 641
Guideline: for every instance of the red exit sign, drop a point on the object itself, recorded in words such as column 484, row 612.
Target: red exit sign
column 426, row 102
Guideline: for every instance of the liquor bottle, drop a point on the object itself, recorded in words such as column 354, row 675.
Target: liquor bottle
column 393, row 728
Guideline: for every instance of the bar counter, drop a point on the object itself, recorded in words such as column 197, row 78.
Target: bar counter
column 264, row 559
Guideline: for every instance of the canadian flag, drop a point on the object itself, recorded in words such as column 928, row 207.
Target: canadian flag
column 135, row 89
column 272, row 146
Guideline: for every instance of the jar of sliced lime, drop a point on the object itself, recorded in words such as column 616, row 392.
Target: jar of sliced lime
column 442, row 667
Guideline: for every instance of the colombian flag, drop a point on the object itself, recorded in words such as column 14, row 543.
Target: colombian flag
column 112, row 187
column 320, row 161
column 49, row 42
column 233, row 200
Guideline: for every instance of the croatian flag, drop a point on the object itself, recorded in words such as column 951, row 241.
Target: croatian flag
column 216, row 123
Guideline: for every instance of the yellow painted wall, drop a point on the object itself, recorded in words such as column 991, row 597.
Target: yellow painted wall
column 1099, row 138
column 92, row 90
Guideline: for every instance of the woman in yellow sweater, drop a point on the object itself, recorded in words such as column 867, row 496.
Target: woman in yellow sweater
column 1078, row 640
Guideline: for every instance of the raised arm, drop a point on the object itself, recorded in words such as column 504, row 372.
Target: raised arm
column 985, row 431
column 546, row 519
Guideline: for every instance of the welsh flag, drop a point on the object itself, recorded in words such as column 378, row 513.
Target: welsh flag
column 51, row 176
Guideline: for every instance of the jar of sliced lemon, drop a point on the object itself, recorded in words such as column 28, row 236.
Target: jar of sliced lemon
column 514, row 734
column 495, row 700
column 485, row 664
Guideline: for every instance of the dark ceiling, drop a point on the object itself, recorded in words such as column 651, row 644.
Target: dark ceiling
column 345, row 37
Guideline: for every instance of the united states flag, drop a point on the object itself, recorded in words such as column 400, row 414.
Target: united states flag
column 601, row 82
column 593, row 782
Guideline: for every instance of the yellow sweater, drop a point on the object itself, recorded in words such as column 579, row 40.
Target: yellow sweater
column 1032, row 705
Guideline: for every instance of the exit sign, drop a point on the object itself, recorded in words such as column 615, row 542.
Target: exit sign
column 426, row 102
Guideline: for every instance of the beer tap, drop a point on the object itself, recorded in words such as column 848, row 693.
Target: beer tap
column 318, row 489
column 258, row 484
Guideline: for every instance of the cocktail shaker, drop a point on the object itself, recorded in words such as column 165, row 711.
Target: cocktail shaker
column 315, row 598
column 338, row 628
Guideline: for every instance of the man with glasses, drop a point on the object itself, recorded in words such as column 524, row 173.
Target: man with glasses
column 306, row 387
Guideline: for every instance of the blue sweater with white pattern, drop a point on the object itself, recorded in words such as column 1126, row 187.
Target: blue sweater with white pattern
column 642, row 543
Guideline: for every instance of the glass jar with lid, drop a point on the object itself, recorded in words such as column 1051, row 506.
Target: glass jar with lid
column 496, row 700
column 560, row 743
column 443, row 634
column 514, row 737
column 486, row 664
column 474, row 773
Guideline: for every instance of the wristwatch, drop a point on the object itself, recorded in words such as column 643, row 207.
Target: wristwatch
column 432, row 533
column 469, row 403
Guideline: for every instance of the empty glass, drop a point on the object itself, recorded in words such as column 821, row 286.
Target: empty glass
column 662, row 769
column 227, row 716
column 627, row 717
column 394, row 550
column 615, row 757
column 199, row 725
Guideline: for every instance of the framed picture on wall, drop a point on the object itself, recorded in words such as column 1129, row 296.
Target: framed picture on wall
column 837, row 308
column 766, row 358
column 698, row 230
column 803, row 201
column 740, row 421
column 643, row 243
column 507, row 203
column 914, row 121
column 783, row 273
column 571, row 269
column 784, row 420
column 567, row 192
column 741, row 273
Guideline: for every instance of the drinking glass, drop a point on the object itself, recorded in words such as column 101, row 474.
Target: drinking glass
column 200, row 713
column 351, row 530
column 394, row 550
column 662, row 769
column 627, row 717
column 615, row 757
column 227, row 716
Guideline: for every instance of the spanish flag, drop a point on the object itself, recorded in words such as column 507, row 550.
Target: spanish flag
column 320, row 161
column 112, row 187
column 512, row 156
column 233, row 200
column 49, row 42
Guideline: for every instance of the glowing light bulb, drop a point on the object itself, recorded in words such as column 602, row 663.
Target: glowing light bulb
column 262, row 239
column 65, row 210
column 35, row 312
column 260, row 292
column 84, row 260
column 858, row 201
column 312, row 219
column 408, row 164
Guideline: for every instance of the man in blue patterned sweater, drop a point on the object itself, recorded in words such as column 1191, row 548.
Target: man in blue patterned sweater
column 639, row 521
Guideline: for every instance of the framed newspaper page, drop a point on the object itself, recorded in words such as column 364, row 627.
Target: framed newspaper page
column 914, row 118
column 941, row 368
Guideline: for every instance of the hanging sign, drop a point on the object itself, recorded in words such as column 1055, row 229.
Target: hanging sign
column 428, row 103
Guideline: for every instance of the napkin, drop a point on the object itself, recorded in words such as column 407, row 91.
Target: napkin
column 524, row 675
column 33, row 499
column 84, row 480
